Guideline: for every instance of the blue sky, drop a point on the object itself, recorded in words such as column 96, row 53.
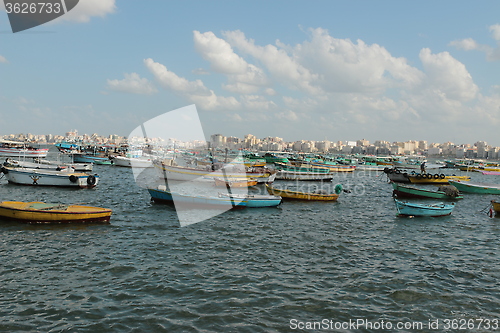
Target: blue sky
column 313, row 70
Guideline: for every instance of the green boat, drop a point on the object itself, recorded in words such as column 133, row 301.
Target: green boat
column 472, row 187
column 271, row 158
column 444, row 192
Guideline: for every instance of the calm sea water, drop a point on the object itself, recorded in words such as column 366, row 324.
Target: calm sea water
column 253, row 270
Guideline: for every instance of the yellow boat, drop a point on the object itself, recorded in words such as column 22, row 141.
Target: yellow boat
column 305, row 195
column 428, row 178
column 40, row 212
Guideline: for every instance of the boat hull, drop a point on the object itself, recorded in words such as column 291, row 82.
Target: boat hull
column 479, row 188
column 257, row 200
column 39, row 177
column 191, row 174
column 91, row 159
column 415, row 209
column 195, row 202
column 234, row 183
column 411, row 192
column 434, row 178
column 17, row 152
column 288, row 194
column 39, row 212
column 132, row 162
column 49, row 165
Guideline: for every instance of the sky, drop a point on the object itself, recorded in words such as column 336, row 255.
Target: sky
column 299, row 70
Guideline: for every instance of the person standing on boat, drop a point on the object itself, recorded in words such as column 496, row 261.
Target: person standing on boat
column 422, row 167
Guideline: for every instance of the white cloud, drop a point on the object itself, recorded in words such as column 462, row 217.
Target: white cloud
column 492, row 53
column 134, row 84
column 219, row 53
column 200, row 71
column 241, row 88
column 448, row 76
column 194, row 91
column 243, row 78
column 344, row 66
column 495, row 30
column 278, row 62
column 85, row 9
column 257, row 103
column 465, row 44
column 327, row 82
column 173, row 82
column 3, row 59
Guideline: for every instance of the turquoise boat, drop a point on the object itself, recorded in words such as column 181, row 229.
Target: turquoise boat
column 419, row 209
column 473, row 187
column 257, row 200
column 271, row 158
column 195, row 201
column 80, row 158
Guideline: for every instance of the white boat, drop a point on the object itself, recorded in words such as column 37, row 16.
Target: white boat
column 49, row 165
column 43, row 177
column 21, row 149
column 135, row 162
column 192, row 174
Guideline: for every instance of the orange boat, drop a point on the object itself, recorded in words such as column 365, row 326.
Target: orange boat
column 40, row 212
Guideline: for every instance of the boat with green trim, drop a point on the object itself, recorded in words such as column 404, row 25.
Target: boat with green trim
column 474, row 187
column 444, row 192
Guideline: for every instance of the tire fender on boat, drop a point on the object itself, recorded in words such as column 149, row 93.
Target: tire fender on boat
column 418, row 176
column 91, row 180
column 73, row 178
column 338, row 188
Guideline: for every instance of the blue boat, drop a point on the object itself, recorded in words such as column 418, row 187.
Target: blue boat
column 195, row 201
column 80, row 158
column 418, row 209
column 256, row 200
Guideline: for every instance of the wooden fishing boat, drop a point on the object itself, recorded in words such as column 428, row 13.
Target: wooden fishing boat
column 334, row 167
column 21, row 149
column 43, row 177
column 474, row 187
column 419, row 209
column 297, row 175
column 49, row 165
column 256, row 200
column 288, row 194
column 193, row 174
column 195, row 201
column 402, row 191
column 40, row 212
column 397, row 175
column 235, row 182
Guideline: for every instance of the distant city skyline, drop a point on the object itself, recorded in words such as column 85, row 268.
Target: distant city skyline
column 333, row 70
